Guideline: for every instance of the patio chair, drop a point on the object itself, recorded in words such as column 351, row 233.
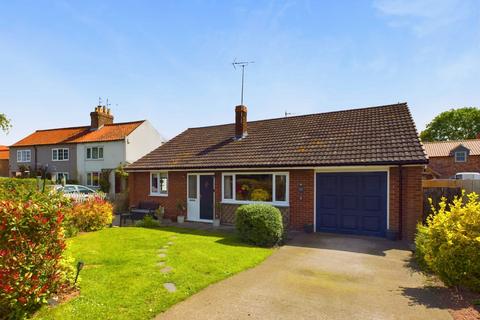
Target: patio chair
column 139, row 212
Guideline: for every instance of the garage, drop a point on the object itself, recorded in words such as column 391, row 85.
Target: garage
column 352, row 202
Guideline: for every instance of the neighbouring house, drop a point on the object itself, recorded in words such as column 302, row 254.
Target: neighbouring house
column 446, row 158
column 355, row 171
column 4, row 163
column 86, row 154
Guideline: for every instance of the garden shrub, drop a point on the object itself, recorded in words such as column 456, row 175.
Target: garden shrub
column 32, row 243
column 147, row 222
column 89, row 215
column 449, row 243
column 260, row 224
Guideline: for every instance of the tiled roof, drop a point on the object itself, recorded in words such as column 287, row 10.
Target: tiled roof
column 375, row 135
column 444, row 148
column 109, row 132
column 4, row 153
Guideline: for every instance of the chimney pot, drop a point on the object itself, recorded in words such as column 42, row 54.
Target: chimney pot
column 240, row 121
column 100, row 117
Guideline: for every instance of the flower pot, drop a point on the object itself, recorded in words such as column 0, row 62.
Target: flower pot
column 181, row 219
column 216, row 222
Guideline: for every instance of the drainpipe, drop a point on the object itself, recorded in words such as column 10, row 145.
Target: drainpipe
column 400, row 201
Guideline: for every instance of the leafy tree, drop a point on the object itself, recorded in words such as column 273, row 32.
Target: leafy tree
column 454, row 124
column 5, row 124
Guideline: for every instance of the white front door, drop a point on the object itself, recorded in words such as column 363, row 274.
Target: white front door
column 193, row 199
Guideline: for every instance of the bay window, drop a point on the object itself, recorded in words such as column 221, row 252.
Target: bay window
column 159, row 183
column 255, row 187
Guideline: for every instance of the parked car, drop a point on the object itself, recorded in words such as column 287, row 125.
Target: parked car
column 467, row 176
column 77, row 192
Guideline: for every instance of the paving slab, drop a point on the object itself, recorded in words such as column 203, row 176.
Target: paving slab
column 170, row 287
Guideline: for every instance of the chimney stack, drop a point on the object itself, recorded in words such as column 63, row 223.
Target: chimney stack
column 100, row 117
column 240, row 122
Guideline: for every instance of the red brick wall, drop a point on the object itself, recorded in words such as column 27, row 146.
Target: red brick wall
column 447, row 167
column 139, row 189
column 301, row 204
column 412, row 200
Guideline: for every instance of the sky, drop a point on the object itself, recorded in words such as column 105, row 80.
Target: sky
column 170, row 61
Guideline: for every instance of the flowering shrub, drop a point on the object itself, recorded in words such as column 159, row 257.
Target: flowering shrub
column 90, row 215
column 31, row 250
column 449, row 244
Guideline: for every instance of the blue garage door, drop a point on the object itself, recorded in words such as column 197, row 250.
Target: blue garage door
column 352, row 202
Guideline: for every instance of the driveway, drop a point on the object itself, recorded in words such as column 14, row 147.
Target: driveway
column 320, row 276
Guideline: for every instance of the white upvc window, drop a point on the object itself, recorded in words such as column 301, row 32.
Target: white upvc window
column 159, row 184
column 58, row 177
column 24, row 155
column 95, row 153
column 460, row 156
column 60, row 154
column 254, row 187
column 93, row 179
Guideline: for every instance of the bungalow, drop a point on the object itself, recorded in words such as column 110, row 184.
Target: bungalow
column 355, row 171
column 446, row 158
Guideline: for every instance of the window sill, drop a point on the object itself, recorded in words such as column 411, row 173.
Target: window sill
column 275, row 204
column 158, row 195
column 60, row 160
column 94, row 159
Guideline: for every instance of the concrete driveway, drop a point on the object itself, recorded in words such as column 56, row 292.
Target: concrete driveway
column 321, row 276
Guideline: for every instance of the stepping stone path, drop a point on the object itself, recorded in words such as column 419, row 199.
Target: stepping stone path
column 170, row 287
column 161, row 263
column 166, row 270
column 162, row 255
column 162, row 250
column 170, row 243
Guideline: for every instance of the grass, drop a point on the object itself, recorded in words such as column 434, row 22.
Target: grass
column 122, row 280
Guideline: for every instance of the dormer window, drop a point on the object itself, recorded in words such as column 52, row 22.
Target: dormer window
column 460, row 156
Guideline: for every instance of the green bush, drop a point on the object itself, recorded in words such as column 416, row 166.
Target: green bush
column 90, row 215
column 449, row 244
column 260, row 224
column 32, row 243
column 147, row 222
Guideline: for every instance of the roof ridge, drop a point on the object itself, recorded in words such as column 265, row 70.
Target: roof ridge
column 64, row 128
column 120, row 123
column 311, row 114
column 450, row 141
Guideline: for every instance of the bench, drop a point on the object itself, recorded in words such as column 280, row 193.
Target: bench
column 139, row 212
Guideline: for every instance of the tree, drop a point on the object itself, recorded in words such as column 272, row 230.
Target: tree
column 5, row 124
column 454, row 124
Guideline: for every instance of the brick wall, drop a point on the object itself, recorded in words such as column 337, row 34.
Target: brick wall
column 447, row 167
column 301, row 203
column 139, row 189
column 412, row 200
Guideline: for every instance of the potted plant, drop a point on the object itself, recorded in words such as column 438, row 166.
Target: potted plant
column 181, row 208
column 218, row 214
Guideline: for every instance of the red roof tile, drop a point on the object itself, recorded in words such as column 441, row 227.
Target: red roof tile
column 4, row 153
column 375, row 135
column 109, row 132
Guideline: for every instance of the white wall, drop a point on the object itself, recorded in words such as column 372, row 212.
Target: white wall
column 141, row 141
column 113, row 156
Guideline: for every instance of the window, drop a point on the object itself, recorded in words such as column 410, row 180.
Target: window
column 94, row 153
column 159, row 183
column 228, row 187
column 460, row 156
column 59, row 154
column 192, row 187
column 24, row 155
column 93, row 179
column 253, row 187
column 59, row 176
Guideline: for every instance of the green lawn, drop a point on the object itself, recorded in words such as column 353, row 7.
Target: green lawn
column 122, row 280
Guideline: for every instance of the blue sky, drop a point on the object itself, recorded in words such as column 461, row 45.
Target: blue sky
column 170, row 61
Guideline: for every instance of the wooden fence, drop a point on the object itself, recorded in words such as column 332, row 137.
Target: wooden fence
column 447, row 188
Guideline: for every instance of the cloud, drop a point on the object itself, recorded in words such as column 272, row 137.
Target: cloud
column 424, row 17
